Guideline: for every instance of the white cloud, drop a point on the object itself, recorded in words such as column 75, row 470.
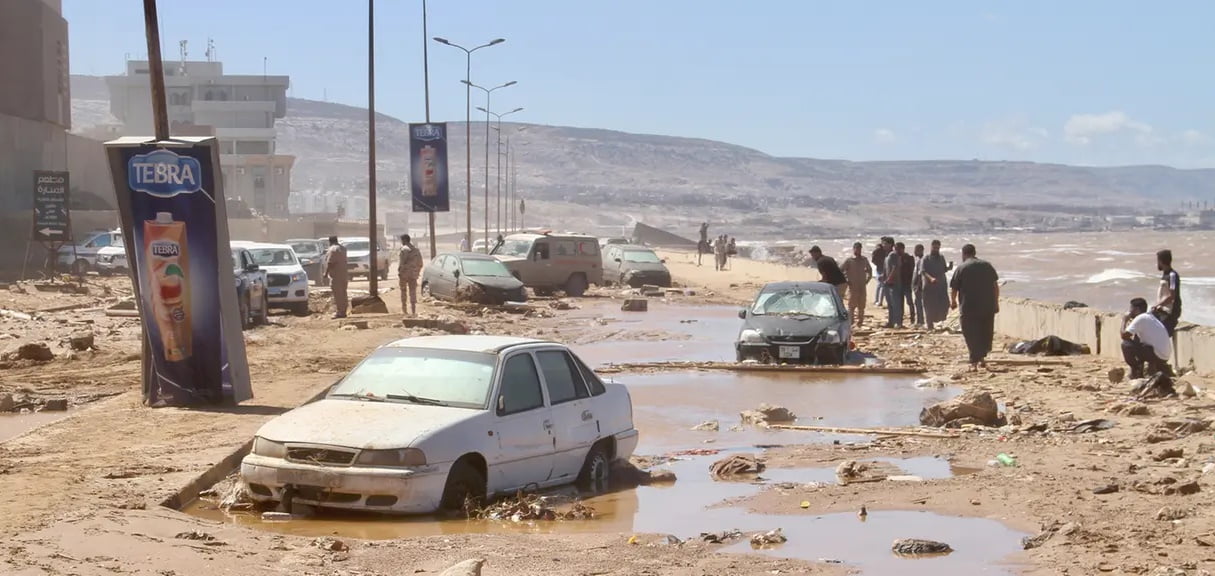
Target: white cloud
column 1081, row 129
column 884, row 136
column 1013, row 133
column 1195, row 138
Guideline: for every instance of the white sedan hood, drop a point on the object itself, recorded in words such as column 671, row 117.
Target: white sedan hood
column 284, row 269
column 363, row 425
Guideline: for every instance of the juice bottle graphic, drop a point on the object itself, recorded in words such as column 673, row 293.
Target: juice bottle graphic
column 167, row 274
column 430, row 177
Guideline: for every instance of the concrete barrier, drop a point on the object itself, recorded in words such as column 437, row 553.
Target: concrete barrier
column 1194, row 346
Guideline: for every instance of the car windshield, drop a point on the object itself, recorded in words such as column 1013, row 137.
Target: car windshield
column 272, row 256
column 514, row 248
column 644, row 256
column 357, row 246
column 306, row 248
column 431, row 376
column 795, row 302
column 483, row 267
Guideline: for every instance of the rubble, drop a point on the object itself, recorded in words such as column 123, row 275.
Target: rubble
column 81, row 341
column 916, row 547
column 708, row 426
column 7, row 404
column 736, row 465
column 442, row 324
column 1170, row 513
column 330, row 544
column 1129, row 408
column 465, row 568
column 765, row 414
column 1168, row 453
column 36, row 351
column 55, row 405
column 979, row 406
column 721, row 537
column 635, row 305
column 1117, row 375
column 1159, row 385
column 195, row 535
column 526, row 507
column 770, row 538
column 850, row 469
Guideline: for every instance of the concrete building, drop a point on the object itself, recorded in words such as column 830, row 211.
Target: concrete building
column 238, row 109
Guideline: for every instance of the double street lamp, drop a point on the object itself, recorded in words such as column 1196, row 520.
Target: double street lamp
column 468, row 129
column 499, row 129
column 488, row 92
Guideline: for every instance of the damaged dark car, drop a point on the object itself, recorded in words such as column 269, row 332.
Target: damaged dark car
column 470, row 277
column 795, row 323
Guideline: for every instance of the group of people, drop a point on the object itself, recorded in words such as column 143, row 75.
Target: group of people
column 336, row 270
column 1147, row 331
column 920, row 281
column 723, row 248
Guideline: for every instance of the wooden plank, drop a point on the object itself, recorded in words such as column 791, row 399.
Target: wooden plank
column 872, row 431
column 744, row 367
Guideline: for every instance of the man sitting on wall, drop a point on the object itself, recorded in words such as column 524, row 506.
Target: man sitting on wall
column 1145, row 340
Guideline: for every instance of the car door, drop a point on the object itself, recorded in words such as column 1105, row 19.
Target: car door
column 575, row 428
column 257, row 284
column 540, row 263
column 524, row 428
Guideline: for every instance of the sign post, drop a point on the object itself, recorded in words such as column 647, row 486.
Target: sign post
column 428, row 177
column 52, row 213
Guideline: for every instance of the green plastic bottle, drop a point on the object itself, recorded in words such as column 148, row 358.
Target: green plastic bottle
column 1006, row 460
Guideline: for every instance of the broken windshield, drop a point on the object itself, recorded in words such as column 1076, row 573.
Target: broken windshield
column 795, row 302
column 516, row 247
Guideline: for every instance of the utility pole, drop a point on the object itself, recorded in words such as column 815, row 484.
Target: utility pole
column 373, row 256
column 430, row 214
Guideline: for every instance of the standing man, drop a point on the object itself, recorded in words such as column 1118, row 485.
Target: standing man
column 879, row 262
column 897, row 283
column 936, row 287
column 464, row 244
column 1168, row 297
column 410, row 268
column 719, row 252
column 336, row 272
column 908, row 271
column 858, row 272
column 1145, row 340
column 917, row 286
column 977, row 285
column 703, row 245
column 829, row 270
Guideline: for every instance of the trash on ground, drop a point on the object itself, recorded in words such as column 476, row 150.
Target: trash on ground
column 721, row 537
column 526, row 507
column 736, row 465
column 766, row 414
column 708, row 426
column 970, row 408
column 766, row 539
column 1158, row 385
column 1092, row 425
column 916, row 547
column 1049, row 346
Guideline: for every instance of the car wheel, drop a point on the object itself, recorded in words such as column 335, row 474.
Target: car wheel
column 426, row 290
column 245, row 316
column 738, row 355
column 80, row 267
column 300, row 308
column 596, row 471
column 263, row 315
column 464, row 482
column 575, row 287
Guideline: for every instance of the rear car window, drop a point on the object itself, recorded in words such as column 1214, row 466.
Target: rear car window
column 562, row 377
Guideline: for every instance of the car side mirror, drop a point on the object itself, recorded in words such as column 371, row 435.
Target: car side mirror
column 501, row 403
column 664, row 260
column 456, row 273
column 742, row 314
column 617, row 259
column 252, row 268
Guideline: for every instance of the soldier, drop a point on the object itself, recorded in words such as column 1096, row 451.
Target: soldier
column 335, row 270
column 410, row 268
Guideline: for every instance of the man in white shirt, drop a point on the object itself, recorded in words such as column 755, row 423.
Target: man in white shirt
column 1145, row 340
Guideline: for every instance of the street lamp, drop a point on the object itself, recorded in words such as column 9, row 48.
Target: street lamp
column 468, row 127
column 488, row 93
column 499, row 129
column 512, row 180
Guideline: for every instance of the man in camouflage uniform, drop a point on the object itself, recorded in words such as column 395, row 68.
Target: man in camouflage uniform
column 335, row 270
column 410, row 268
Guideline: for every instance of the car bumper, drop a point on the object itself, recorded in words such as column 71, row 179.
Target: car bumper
column 294, row 293
column 626, row 444
column 789, row 353
column 361, row 268
column 396, row 490
column 112, row 265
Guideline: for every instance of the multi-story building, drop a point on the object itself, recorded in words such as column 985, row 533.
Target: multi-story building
column 240, row 110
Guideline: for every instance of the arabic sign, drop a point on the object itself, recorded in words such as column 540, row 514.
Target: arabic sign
column 428, row 162
column 175, row 222
column 52, row 216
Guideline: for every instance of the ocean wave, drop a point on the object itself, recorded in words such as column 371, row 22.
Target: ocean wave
column 1114, row 275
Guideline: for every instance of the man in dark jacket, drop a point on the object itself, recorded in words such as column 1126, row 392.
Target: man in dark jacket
column 829, row 270
column 976, row 284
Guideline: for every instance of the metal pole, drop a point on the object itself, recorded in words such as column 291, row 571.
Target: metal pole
column 430, row 215
column 374, row 255
column 488, row 93
column 498, row 162
column 156, row 71
column 468, row 150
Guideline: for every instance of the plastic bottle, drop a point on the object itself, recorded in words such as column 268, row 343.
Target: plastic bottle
column 1006, row 460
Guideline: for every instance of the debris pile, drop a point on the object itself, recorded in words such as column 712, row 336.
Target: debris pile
column 970, row 408
column 721, row 537
column 917, row 547
column 529, row 507
column 767, row 414
column 736, row 465
column 768, row 539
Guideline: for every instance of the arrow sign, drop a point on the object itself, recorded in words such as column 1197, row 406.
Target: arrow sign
column 50, row 232
column 52, row 218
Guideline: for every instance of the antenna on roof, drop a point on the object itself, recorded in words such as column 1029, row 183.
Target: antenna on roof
column 210, row 50
column 184, row 55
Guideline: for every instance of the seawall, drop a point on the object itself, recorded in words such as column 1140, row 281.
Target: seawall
column 1194, row 345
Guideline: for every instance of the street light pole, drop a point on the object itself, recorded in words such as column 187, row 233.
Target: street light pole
column 373, row 260
column 499, row 161
column 488, row 93
column 468, row 128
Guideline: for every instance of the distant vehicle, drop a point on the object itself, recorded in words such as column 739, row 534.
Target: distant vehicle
column 471, row 277
column 610, row 241
column 251, row 293
column 112, row 259
column 635, row 266
column 552, row 261
column 479, row 246
column 311, row 254
column 795, row 322
column 358, row 261
column 81, row 258
column 286, row 281
column 425, row 423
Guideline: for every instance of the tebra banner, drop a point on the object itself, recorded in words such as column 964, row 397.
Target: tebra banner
column 428, row 167
column 175, row 226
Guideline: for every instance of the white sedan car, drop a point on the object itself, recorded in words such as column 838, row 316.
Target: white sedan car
column 421, row 424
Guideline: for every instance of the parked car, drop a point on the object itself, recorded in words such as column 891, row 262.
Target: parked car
column 471, row 277
column 551, row 261
column 795, row 322
column 112, row 259
column 635, row 266
column 81, row 258
column 614, row 240
column 358, row 260
column 423, row 423
column 311, row 254
column 286, row 281
column 251, row 293
column 479, row 246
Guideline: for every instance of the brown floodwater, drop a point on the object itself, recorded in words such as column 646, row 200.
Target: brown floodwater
column 14, row 425
column 675, row 332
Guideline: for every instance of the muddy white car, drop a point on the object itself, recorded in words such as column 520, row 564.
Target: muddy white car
column 423, row 424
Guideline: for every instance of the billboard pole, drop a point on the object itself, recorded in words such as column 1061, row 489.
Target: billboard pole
column 430, row 214
column 156, row 71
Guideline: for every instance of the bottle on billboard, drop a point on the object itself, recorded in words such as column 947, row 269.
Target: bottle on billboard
column 168, row 263
column 430, row 177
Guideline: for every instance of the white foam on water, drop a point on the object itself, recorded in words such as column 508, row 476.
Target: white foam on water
column 1114, row 275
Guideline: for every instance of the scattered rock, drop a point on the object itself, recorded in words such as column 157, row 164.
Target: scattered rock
column 776, row 413
column 915, row 547
column 635, row 305
column 355, row 325
column 708, row 426
column 1130, row 408
column 1117, row 375
column 7, row 403
column 195, row 535
column 1168, row 453
column 659, row 477
column 850, row 469
column 81, row 341
column 465, row 568
column 443, row 324
column 1188, row 488
column 330, row 544
column 1092, row 425
column 55, row 405
column 1171, row 513
column 735, row 465
column 36, row 351
column 561, row 305
column 1107, row 489
column 978, row 405
column 771, row 538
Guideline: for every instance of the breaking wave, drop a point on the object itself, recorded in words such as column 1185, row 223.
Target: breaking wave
column 1114, row 275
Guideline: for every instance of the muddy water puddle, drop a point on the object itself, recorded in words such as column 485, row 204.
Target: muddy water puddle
column 697, row 504
column 14, row 425
column 666, row 332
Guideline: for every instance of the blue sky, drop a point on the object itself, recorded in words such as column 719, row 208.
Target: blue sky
column 1081, row 82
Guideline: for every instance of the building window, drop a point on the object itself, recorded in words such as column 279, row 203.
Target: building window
column 279, row 171
column 259, row 182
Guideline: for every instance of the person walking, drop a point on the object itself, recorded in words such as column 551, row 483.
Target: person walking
column 976, row 285
column 335, row 270
column 896, row 286
column 719, row 252
column 408, row 269
column 858, row 273
column 936, row 288
column 1168, row 297
column 702, row 246
column 879, row 264
column 917, row 286
column 829, row 270
column 1145, row 341
column 464, row 244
